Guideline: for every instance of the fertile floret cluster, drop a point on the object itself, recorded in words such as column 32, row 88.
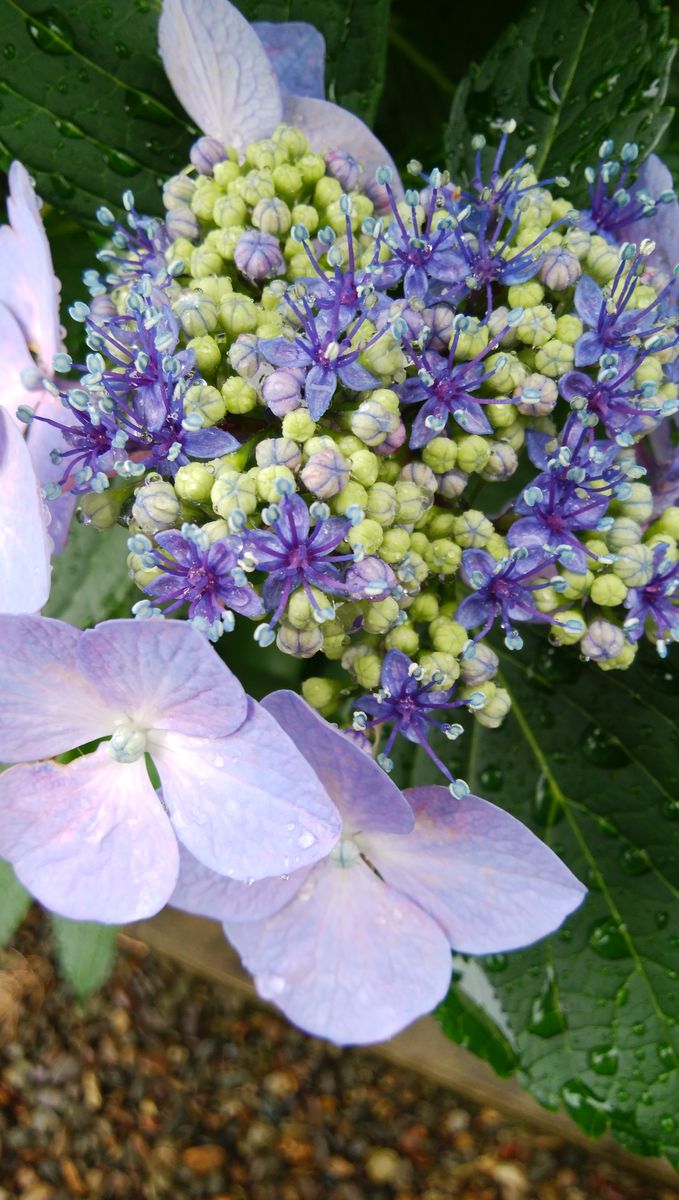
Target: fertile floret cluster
column 385, row 430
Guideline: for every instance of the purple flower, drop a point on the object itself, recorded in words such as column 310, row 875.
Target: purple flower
column 420, row 255
column 205, row 575
column 503, row 590
column 655, row 602
column 258, row 255
column 91, row 840
column 615, row 328
column 295, row 555
column 411, row 706
column 134, row 252
column 647, row 209
column 413, row 876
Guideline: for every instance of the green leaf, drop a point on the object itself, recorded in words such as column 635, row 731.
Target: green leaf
column 15, row 902
column 588, row 759
column 85, row 104
column 571, row 75
column 89, row 578
column 85, row 951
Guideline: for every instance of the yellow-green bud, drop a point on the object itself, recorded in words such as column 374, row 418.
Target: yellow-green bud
column 395, row 544
column 623, row 660
column 304, row 214
column 634, row 565
column 291, row 141
column 298, row 425
column 206, row 400
column 443, row 556
column 623, row 532
column 299, row 643
column 568, row 628
column 425, row 607
column 471, row 341
column 495, row 710
column 445, row 664
column 500, row 415
column 102, row 509
column 364, row 467
column 156, row 506
column 440, row 454
column 239, row 397
column 204, row 198
column 569, row 328
column 322, row 694
column 497, row 546
column 411, row 500
column 472, row 529
column 326, row 191
column 403, row 638
column 381, row 503
column 608, row 590
column 537, row 326
column 367, row 534
column 473, row 453
column 525, row 295
column 208, row 354
column 508, row 373
column 140, row 575
column 229, row 211
column 448, row 635
column 272, row 216
column 554, row 358
column 441, row 523
column 367, row 669
column 668, row 522
column 197, row 313
column 379, row 616
column 578, row 584
column 238, row 314
column 232, row 491
column 205, row 261
column 194, row 482
column 268, row 480
column 602, row 260
column 288, row 183
column 352, row 495
column 638, row 505
column 300, row 611
column 225, row 172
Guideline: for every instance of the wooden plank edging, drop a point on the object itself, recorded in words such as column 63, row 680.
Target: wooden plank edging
column 199, row 945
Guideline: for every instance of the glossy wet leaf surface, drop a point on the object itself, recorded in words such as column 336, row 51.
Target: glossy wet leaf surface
column 85, row 104
column 590, row 761
column 90, row 582
column 571, row 75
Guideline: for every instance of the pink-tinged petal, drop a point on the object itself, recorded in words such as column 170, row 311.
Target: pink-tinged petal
column 296, row 51
column 348, row 958
column 329, row 127
column 365, row 796
column 24, row 548
column 247, row 806
column 219, row 70
column 90, row 840
column 41, row 439
column 165, row 675
column 207, row 894
column 46, row 706
column 490, row 883
column 28, row 285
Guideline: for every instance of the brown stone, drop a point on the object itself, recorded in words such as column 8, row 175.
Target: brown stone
column 203, row 1159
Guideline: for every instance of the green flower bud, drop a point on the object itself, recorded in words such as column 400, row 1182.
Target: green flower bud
column 298, row 426
column 291, row 140
column 300, row 643
column 238, row 314
column 578, row 585
column 322, row 694
column 546, row 599
column 623, row 660
column 205, row 196
column 364, row 467
column 425, row 607
column 272, row 216
column 102, row 509
column 180, row 251
column 508, row 373
column 225, row 172
column 205, row 400
column 155, row 507
column 525, row 295
column 497, row 546
column 379, row 616
column 140, row 575
column 300, row 612
column 638, row 505
column 389, row 470
column 395, row 544
column 421, row 475
column 233, row 492
column 495, row 710
column 288, row 183
column 537, row 326
column 312, row 170
column 194, row 482
column 216, row 287
column 367, row 669
column 471, row 341
column 634, row 565
column 502, row 462
column 649, row 371
column 554, row 358
column 412, row 570
column 268, row 480
column 373, row 422
column 472, row 529
column 403, row 638
column 440, row 663
column 352, row 496
column 665, row 540
column 226, row 241
column 256, row 185
column 261, row 154
column 366, row 534
column 239, row 397
column 381, row 503
column 326, row 191
column 473, row 453
column 623, row 532
column 487, row 690
column 536, row 396
column 208, row 354
column 569, row 328
column 440, row 454
column 205, row 261
column 412, row 502
column 602, row 260
column 669, row 522
column 304, row 214
column 448, row 636
column 497, row 324
column 440, row 524
column 500, row 415
column 608, row 590
column 568, row 628
column 316, row 445
column 577, row 241
column 178, row 191
column 419, row 542
column 230, row 211
column 443, row 556
column 335, row 640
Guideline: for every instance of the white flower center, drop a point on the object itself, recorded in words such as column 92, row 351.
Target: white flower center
column 128, row 742
column 346, row 853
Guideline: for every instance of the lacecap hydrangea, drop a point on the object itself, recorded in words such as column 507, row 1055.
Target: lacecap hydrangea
column 385, row 430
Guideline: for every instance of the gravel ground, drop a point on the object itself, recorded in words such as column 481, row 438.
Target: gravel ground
column 159, row 1087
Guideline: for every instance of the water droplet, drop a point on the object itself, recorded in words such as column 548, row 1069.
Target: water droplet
column 666, row 1054
column 51, row 32
column 305, row 840
column 9, row 50
column 121, row 50
column 492, row 778
column 67, row 128
column 661, row 918
column 546, row 1016
column 541, row 84
column 590, row 1113
column 603, row 749
column 495, row 963
column 622, row 1095
column 670, row 810
column 121, row 163
column 608, row 939
column 634, row 861
column 270, row 986
column 603, row 1060
column 668, row 1123
column 638, row 1028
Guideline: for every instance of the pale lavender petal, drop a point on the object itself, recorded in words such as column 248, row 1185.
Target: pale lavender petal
column 296, row 52
column 490, row 883
column 210, row 442
column 46, row 706
column 663, row 228
column 28, row 285
column 329, row 127
column 16, row 358
column 588, row 349
column 41, row 439
column 165, row 675
column 247, row 806
column 24, row 548
column 319, row 389
column 365, row 796
column 588, row 300
column 207, row 894
column 356, row 377
column 348, row 959
column 90, row 840
column 219, row 70
column 281, row 352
